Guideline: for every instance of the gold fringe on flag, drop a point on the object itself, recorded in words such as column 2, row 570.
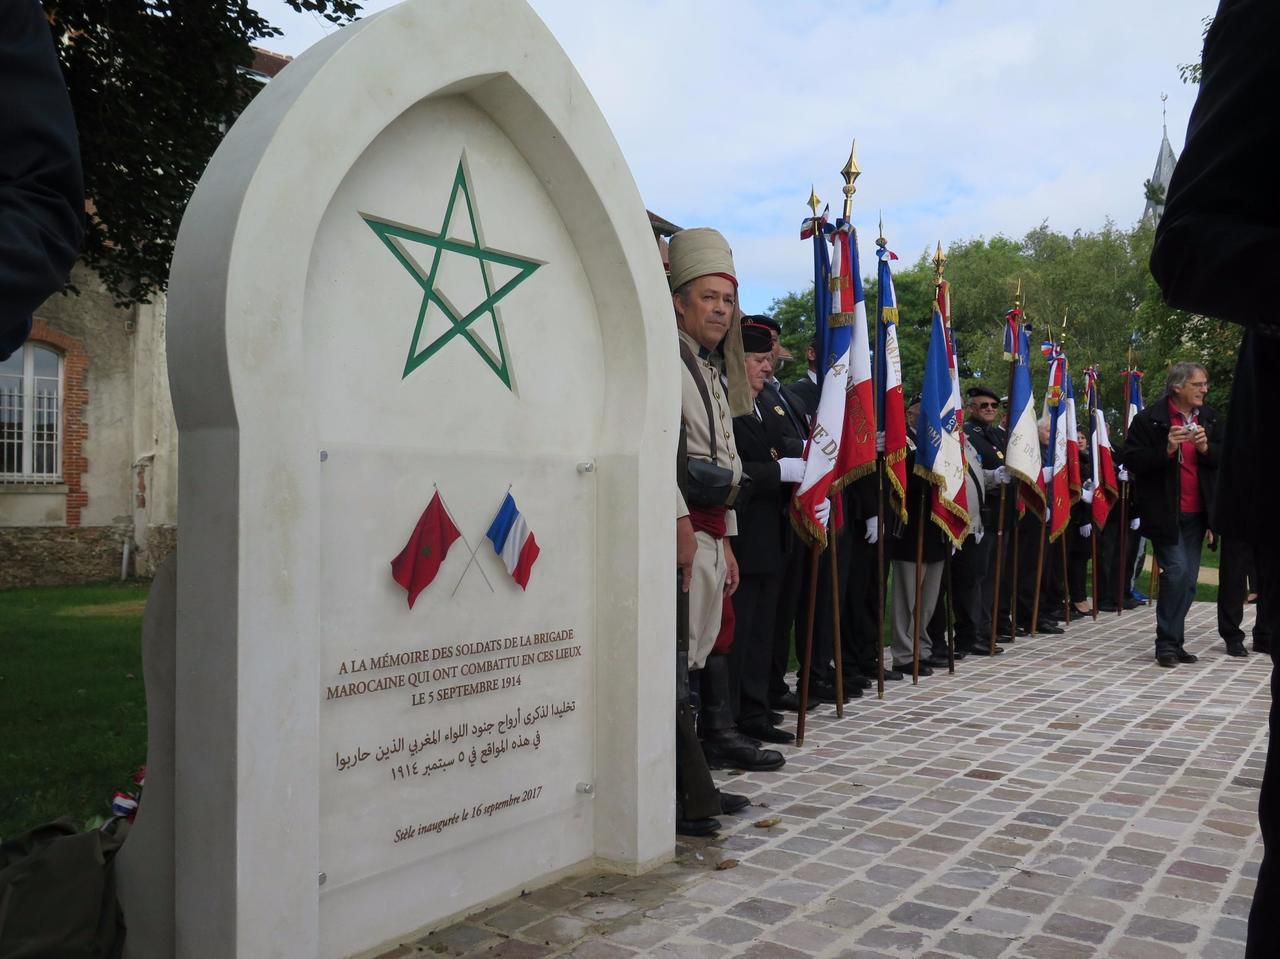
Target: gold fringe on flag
column 892, row 459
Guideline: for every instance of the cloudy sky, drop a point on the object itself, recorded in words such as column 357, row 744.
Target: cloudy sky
column 972, row 117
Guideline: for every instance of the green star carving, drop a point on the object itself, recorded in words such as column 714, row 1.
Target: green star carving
column 459, row 325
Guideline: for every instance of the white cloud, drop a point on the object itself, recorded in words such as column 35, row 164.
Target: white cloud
column 972, row 117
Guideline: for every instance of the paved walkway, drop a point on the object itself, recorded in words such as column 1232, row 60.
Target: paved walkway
column 1066, row 800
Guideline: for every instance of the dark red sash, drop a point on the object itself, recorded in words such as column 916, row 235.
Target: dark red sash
column 708, row 519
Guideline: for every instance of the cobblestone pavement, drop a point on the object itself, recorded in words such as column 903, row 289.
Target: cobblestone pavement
column 1067, row 799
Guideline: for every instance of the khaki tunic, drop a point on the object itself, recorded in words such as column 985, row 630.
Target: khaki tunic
column 706, row 589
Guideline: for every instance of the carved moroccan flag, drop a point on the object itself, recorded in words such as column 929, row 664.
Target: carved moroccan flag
column 422, row 556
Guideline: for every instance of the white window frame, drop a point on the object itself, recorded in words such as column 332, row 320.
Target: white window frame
column 26, row 473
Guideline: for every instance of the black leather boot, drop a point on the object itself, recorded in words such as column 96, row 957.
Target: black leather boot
column 722, row 744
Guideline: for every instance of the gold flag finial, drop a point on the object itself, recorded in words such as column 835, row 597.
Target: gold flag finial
column 880, row 240
column 1017, row 294
column 813, row 201
column 939, row 262
column 851, row 172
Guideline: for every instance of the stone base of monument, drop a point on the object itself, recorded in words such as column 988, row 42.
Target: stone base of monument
column 416, row 283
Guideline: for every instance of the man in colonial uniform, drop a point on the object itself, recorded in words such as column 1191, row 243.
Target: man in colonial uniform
column 713, row 390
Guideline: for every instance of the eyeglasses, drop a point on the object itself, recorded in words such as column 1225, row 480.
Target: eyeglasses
column 986, row 406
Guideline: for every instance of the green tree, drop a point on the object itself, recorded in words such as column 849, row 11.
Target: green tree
column 1190, row 72
column 1099, row 281
column 154, row 85
column 794, row 313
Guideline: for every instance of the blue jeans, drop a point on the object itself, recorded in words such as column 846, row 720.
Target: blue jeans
column 1179, row 570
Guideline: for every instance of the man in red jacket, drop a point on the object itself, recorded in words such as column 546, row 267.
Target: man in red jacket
column 1172, row 452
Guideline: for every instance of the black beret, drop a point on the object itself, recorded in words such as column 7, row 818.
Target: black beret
column 756, row 338
column 759, row 319
column 975, row 391
column 914, row 401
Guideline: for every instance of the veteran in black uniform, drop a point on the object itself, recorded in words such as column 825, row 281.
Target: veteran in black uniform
column 763, row 541
column 973, row 611
column 795, row 429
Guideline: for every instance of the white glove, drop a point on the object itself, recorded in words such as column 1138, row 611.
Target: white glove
column 1086, row 530
column 1122, row 474
column 1086, row 494
column 1047, row 473
column 1135, row 522
column 823, row 512
column 1003, row 476
column 791, row 469
column 873, row 529
column 880, row 442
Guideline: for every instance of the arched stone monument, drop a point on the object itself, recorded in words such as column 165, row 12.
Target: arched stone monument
column 417, row 266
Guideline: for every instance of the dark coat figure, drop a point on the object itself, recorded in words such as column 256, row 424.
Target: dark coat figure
column 1157, row 488
column 1223, row 210
column 763, row 549
column 795, row 431
column 41, row 189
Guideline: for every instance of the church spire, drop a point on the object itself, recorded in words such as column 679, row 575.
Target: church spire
column 1157, row 188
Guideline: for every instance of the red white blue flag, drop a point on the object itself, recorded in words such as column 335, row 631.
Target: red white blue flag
column 1133, row 396
column 939, row 444
column 513, row 541
column 890, row 408
column 1105, row 490
column 822, row 453
column 951, row 499
column 848, row 309
column 1022, row 452
column 1057, row 481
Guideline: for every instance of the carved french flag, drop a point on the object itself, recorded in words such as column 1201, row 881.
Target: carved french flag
column 513, row 541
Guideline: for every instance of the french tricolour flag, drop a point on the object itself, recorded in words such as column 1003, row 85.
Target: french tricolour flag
column 513, row 541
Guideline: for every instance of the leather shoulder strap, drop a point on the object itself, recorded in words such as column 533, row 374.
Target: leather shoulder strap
column 692, row 363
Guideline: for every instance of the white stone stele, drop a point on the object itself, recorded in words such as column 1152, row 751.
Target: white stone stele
column 289, row 324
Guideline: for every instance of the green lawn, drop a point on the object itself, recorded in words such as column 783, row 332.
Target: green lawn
column 72, row 704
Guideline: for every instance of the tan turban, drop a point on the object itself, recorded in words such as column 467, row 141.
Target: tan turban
column 702, row 251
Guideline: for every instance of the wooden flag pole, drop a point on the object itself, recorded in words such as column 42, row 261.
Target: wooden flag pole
column 1066, row 578
column 1035, row 600
column 881, row 582
column 1093, row 566
column 995, row 592
column 951, row 635
column 835, row 624
column 807, row 658
column 1004, row 487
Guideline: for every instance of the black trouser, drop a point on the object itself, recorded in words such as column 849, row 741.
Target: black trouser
column 971, row 566
column 1108, row 545
column 785, row 618
column 1235, row 566
column 1078, row 552
column 1264, row 916
column 936, row 628
column 860, row 613
column 1029, row 530
column 1005, row 623
column 755, row 603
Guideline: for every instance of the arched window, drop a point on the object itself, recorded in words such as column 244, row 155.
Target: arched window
column 31, row 416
